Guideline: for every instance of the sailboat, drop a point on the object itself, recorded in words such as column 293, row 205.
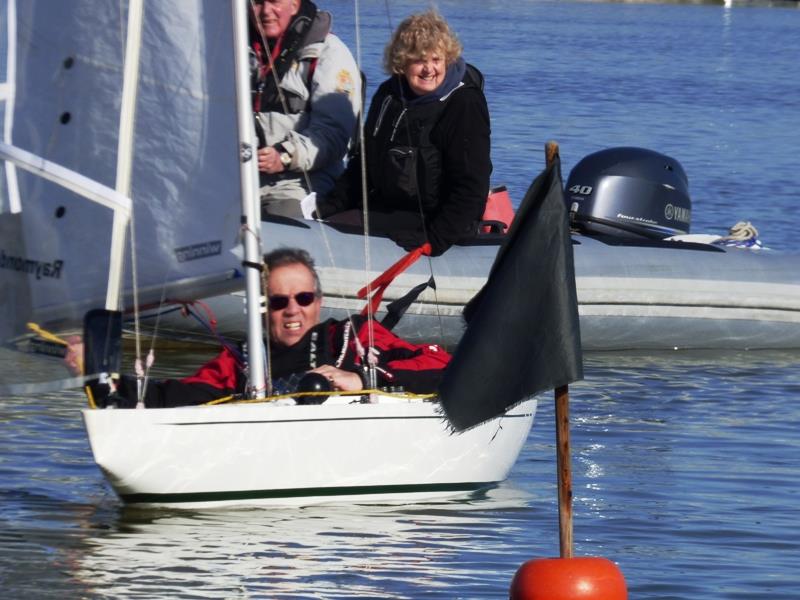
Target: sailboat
column 129, row 153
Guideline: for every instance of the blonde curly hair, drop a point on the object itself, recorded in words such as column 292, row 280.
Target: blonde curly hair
column 416, row 37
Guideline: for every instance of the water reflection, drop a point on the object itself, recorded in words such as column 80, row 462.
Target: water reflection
column 324, row 549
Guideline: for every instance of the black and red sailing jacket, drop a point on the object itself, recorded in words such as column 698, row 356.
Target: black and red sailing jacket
column 414, row 367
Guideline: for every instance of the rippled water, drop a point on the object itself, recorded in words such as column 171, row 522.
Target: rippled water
column 685, row 464
column 685, row 469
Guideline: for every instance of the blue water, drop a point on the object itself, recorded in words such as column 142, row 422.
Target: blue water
column 685, row 473
column 686, row 466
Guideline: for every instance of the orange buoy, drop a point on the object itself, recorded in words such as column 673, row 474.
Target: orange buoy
column 580, row 578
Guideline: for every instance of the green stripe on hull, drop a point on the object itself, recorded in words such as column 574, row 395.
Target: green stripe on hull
column 300, row 493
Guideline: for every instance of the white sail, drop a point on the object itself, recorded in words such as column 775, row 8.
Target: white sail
column 185, row 170
column 185, row 177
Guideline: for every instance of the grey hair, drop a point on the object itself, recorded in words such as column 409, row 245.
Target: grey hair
column 283, row 257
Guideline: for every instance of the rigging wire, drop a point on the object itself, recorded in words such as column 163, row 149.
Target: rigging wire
column 365, row 214
column 136, row 321
column 151, row 351
column 388, row 16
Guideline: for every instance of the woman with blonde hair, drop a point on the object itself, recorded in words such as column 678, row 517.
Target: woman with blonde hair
column 426, row 142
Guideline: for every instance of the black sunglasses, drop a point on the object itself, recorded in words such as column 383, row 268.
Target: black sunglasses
column 279, row 302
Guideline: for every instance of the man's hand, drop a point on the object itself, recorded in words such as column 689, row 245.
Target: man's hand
column 269, row 160
column 346, row 381
column 73, row 359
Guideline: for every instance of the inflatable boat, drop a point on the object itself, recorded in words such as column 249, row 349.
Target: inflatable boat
column 643, row 280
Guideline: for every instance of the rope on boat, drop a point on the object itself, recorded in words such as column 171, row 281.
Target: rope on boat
column 743, row 230
column 271, row 72
column 239, row 400
column 742, row 235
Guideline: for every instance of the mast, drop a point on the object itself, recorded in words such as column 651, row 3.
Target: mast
column 127, row 118
column 251, row 209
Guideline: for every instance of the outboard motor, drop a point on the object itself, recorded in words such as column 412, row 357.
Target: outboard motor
column 629, row 192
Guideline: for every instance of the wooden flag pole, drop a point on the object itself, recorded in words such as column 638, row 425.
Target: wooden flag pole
column 564, row 472
column 551, row 152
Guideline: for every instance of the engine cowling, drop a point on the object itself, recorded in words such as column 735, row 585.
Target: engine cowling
column 629, row 192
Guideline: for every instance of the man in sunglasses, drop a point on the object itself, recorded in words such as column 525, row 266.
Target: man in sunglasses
column 299, row 343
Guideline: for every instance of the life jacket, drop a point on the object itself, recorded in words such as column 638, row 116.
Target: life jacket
column 404, row 166
column 308, row 27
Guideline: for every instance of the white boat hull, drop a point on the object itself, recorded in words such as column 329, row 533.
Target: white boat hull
column 270, row 454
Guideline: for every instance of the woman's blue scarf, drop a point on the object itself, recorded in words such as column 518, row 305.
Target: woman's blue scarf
column 452, row 79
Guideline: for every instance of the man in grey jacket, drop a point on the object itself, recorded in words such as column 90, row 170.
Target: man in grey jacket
column 306, row 98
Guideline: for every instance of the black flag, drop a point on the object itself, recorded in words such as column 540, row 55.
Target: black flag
column 522, row 332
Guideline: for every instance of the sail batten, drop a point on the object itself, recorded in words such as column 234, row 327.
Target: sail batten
column 71, row 180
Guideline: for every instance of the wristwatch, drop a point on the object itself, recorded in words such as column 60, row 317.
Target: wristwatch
column 286, row 158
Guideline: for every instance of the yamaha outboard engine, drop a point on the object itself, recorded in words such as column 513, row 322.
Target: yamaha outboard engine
column 629, row 192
